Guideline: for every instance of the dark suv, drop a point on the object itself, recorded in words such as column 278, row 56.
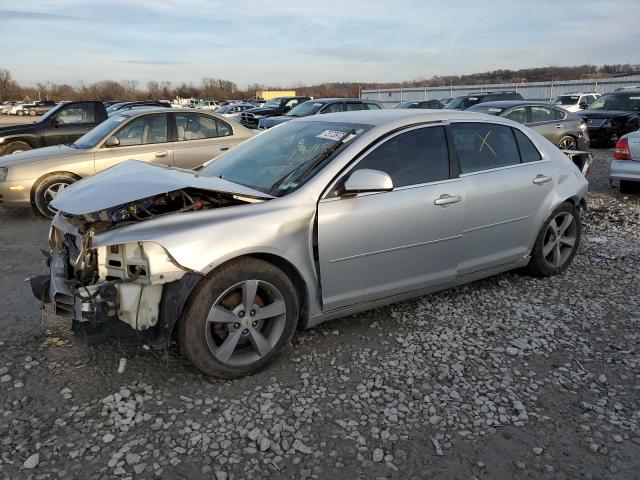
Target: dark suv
column 273, row 108
column 612, row 116
column 465, row 101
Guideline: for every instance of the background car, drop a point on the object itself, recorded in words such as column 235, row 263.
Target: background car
column 18, row 109
column 566, row 130
column 322, row 105
column 625, row 167
column 233, row 110
column 444, row 101
column 116, row 107
column 40, row 107
column 465, row 101
column 183, row 138
column 275, row 107
column 210, row 105
column 612, row 116
column 574, row 102
column 435, row 104
column 317, row 219
column 64, row 123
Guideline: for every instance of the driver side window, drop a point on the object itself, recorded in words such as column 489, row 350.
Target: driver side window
column 517, row 115
column 412, row 158
column 144, row 131
column 77, row 114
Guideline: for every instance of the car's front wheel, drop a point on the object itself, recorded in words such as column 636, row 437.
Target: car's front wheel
column 567, row 143
column 239, row 319
column 557, row 242
column 47, row 190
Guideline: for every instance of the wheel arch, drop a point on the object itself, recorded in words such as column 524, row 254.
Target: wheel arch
column 44, row 176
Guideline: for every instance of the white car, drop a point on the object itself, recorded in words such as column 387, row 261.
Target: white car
column 210, row 105
column 625, row 167
column 574, row 102
column 19, row 109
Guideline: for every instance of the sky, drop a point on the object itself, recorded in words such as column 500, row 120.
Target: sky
column 304, row 42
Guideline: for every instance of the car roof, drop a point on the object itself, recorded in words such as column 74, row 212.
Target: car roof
column 152, row 109
column 340, row 99
column 627, row 91
column 511, row 103
column 390, row 115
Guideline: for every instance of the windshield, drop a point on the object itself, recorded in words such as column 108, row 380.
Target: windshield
column 273, row 103
column 489, row 110
column 617, row 101
column 95, row 135
column 565, row 100
column 461, row 103
column 287, row 152
column 225, row 109
column 305, row 109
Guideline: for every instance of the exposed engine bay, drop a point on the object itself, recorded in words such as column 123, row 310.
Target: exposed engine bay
column 97, row 285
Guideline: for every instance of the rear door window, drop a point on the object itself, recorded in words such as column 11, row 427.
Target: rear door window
column 373, row 106
column 542, row 114
column 483, row 146
column 351, row 107
column 143, row 131
column 412, row 158
column 517, row 115
column 334, row 107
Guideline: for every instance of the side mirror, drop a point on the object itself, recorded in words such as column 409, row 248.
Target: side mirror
column 287, row 108
column 112, row 141
column 367, row 180
column 583, row 105
column 55, row 121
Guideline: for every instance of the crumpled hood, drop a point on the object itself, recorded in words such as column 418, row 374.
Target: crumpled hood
column 133, row 180
column 38, row 154
column 602, row 113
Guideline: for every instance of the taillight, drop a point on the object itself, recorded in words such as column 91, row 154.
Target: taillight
column 621, row 151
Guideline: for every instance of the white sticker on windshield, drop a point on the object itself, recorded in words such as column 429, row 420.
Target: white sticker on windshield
column 634, row 98
column 331, row 135
column 495, row 110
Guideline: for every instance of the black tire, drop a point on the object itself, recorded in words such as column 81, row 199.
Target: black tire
column 42, row 192
column 15, row 147
column 192, row 327
column 19, row 113
column 539, row 264
column 628, row 187
column 567, row 142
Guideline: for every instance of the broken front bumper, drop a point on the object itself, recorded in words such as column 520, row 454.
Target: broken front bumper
column 137, row 284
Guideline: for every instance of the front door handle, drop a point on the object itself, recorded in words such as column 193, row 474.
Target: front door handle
column 161, row 154
column 445, row 199
column 224, row 148
column 557, row 125
column 541, row 179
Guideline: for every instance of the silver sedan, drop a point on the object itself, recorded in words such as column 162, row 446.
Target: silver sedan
column 625, row 167
column 312, row 220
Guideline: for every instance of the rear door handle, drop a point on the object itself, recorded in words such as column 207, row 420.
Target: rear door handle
column 445, row 199
column 541, row 179
column 161, row 154
column 224, row 148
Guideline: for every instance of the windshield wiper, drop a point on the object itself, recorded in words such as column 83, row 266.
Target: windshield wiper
column 322, row 157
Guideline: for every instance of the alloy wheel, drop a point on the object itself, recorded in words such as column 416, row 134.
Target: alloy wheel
column 245, row 323
column 559, row 239
column 52, row 192
column 567, row 143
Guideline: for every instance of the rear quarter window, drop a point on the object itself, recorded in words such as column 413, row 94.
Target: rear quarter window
column 528, row 151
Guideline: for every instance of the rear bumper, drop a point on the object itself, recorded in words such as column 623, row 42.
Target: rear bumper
column 16, row 193
column 625, row 170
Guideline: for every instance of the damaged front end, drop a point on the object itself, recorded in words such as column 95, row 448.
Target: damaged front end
column 103, row 284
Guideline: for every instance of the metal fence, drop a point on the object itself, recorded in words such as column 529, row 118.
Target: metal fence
column 530, row 91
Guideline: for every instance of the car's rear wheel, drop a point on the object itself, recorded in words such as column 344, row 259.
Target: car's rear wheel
column 47, row 190
column 17, row 147
column 629, row 187
column 557, row 242
column 239, row 319
column 567, row 143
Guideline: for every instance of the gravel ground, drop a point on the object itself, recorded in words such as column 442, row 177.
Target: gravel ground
column 510, row 377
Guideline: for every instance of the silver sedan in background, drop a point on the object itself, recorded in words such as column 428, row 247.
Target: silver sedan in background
column 176, row 137
column 319, row 218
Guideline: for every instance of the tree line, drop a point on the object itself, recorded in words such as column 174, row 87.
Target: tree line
column 220, row 89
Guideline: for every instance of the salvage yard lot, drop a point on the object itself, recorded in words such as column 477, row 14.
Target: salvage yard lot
column 510, row 377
